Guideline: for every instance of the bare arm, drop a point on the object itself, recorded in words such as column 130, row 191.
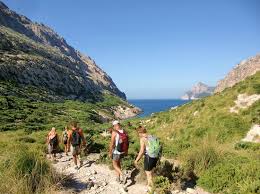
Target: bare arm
column 82, row 137
column 112, row 143
column 142, row 150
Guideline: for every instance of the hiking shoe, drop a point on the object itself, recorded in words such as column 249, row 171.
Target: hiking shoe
column 81, row 163
column 118, row 179
column 123, row 178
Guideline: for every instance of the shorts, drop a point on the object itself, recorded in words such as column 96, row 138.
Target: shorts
column 65, row 142
column 149, row 163
column 75, row 150
column 116, row 157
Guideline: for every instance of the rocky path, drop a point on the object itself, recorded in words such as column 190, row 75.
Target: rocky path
column 93, row 178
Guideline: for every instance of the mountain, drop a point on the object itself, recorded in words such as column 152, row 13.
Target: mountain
column 244, row 69
column 34, row 54
column 199, row 90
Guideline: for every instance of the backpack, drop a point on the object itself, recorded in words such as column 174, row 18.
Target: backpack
column 65, row 136
column 76, row 138
column 123, row 143
column 54, row 141
column 153, row 147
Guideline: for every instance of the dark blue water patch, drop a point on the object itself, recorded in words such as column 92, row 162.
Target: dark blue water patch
column 156, row 105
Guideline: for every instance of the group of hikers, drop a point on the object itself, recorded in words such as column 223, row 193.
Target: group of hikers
column 73, row 140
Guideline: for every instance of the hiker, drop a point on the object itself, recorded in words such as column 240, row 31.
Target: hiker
column 117, row 149
column 52, row 142
column 65, row 140
column 151, row 149
column 76, row 140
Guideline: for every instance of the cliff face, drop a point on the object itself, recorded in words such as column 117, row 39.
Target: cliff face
column 243, row 70
column 199, row 90
column 33, row 54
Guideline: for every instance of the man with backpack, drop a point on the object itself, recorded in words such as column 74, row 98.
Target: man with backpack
column 52, row 142
column 151, row 149
column 65, row 137
column 118, row 149
column 76, row 140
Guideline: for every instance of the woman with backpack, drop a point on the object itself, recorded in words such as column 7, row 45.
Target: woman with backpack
column 65, row 137
column 117, row 149
column 76, row 140
column 151, row 149
column 53, row 143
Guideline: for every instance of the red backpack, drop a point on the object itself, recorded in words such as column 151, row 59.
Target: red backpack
column 123, row 143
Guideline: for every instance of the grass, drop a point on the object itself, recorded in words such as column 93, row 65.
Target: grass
column 25, row 119
column 205, row 137
column 206, row 143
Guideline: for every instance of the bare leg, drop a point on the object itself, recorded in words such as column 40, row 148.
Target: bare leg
column 149, row 175
column 66, row 149
column 117, row 167
column 75, row 159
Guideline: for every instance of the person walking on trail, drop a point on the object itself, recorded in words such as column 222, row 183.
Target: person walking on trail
column 151, row 149
column 118, row 149
column 76, row 140
column 53, row 143
column 65, row 137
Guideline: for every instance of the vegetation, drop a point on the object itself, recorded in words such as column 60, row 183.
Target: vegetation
column 26, row 115
column 203, row 135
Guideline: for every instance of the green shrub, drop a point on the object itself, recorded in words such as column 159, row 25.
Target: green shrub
column 162, row 184
column 200, row 159
column 26, row 139
column 233, row 175
column 247, row 146
column 26, row 171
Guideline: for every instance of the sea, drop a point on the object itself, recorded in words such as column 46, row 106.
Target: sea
column 150, row 106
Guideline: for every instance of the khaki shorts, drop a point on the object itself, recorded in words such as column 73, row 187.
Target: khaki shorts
column 75, row 150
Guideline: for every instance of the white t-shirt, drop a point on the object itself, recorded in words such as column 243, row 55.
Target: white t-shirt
column 117, row 141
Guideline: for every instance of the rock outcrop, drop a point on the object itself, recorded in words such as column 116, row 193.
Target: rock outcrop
column 199, row 90
column 243, row 70
column 33, row 54
column 124, row 112
column 244, row 101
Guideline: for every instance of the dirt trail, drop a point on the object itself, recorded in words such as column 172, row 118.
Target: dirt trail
column 92, row 178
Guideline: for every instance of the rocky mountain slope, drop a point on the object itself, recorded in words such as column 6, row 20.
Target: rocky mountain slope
column 33, row 54
column 199, row 90
column 240, row 72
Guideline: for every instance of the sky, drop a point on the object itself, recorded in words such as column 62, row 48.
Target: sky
column 154, row 49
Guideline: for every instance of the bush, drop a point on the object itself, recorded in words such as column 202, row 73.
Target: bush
column 26, row 171
column 162, row 184
column 233, row 175
column 247, row 146
column 199, row 159
column 26, row 139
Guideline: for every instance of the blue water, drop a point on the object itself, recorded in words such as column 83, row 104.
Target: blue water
column 153, row 106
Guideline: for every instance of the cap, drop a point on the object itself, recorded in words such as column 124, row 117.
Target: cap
column 115, row 122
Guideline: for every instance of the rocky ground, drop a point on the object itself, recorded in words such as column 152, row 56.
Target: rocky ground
column 93, row 178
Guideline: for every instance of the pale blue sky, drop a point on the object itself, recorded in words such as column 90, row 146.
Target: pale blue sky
column 155, row 49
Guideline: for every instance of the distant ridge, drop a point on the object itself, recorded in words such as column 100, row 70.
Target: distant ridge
column 199, row 90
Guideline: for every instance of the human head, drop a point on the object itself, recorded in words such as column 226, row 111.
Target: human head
column 74, row 125
column 116, row 125
column 65, row 128
column 141, row 130
column 53, row 129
